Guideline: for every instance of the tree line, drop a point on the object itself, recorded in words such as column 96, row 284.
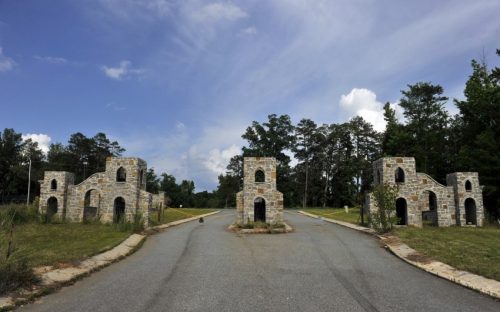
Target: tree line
column 333, row 161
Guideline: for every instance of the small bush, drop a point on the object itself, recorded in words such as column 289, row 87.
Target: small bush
column 15, row 273
column 384, row 218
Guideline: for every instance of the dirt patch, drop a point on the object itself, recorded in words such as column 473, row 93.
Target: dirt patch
column 417, row 257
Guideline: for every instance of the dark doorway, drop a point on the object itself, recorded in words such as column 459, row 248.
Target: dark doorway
column 51, row 207
column 401, row 211
column 429, row 217
column 259, row 209
column 91, row 205
column 119, row 210
column 470, row 211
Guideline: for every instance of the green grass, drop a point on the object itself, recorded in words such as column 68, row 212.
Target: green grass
column 54, row 244
column 337, row 214
column 476, row 250
column 174, row 214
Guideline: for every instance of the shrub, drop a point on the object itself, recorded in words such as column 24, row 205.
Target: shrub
column 384, row 218
column 136, row 226
column 15, row 273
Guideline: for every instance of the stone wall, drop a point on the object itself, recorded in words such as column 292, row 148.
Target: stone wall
column 102, row 190
column 418, row 189
column 253, row 189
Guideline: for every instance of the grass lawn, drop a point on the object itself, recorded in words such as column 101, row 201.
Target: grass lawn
column 53, row 244
column 174, row 214
column 476, row 250
column 337, row 214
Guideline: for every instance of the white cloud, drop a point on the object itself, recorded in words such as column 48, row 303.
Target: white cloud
column 218, row 11
column 249, row 31
column 363, row 102
column 6, row 63
column 51, row 59
column 217, row 160
column 122, row 71
column 43, row 140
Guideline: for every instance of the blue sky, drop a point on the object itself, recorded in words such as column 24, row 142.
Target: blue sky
column 177, row 82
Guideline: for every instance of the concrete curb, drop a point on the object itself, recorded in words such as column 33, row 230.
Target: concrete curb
column 53, row 279
column 476, row 282
column 174, row 223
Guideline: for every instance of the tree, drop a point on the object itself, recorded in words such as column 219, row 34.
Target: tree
column 83, row 156
column 152, row 181
column 480, row 132
column 305, row 147
column 170, row 188
column 427, row 120
column 15, row 154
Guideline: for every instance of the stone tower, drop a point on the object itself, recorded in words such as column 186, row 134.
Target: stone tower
column 54, row 193
column 259, row 200
column 468, row 198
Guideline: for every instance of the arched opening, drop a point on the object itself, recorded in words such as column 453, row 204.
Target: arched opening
column 378, row 178
column 259, row 176
column 470, row 211
column 121, row 175
column 259, row 209
column 399, row 176
column 141, row 177
column 51, row 207
column 468, row 186
column 401, row 211
column 91, row 204
column 53, row 185
column 119, row 210
column 429, row 216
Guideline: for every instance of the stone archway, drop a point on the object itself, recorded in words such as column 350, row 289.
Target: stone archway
column 470, row 211
column 259, row 209
column 91, row 205
column 52, row 207
column 119, row 210
column 401, row 211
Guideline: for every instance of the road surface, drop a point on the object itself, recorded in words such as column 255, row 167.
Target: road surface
column 319, row 267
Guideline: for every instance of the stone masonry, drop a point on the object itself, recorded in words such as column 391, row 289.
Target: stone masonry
column 119, row 192
column 259, row 200
column 421, row 198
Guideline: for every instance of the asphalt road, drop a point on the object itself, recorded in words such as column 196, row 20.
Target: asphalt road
column 319, row 267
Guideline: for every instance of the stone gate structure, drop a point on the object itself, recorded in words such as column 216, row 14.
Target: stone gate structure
column 423, row 200
column 111, row 196
column 259, row 200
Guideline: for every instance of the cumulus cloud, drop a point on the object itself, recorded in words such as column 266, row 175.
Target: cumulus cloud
column 122, row 71
column 51, row 59
column 217, row 160
column 6, row 63
column 363, row 102
column 218, row 11
column 43, row 140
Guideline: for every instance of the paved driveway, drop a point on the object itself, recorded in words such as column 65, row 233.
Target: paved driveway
column 319, row 267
